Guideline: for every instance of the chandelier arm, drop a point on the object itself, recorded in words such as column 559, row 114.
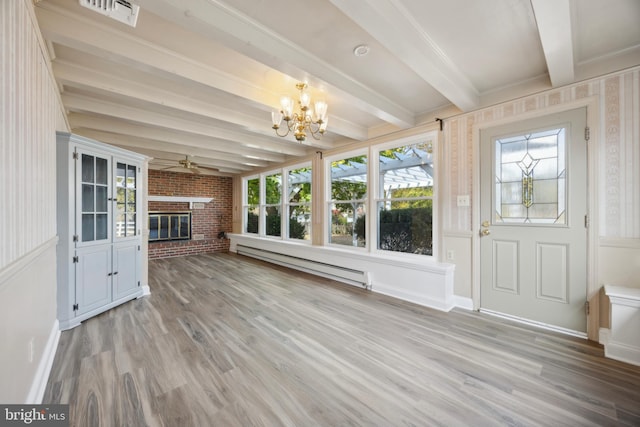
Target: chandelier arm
column 284, row 134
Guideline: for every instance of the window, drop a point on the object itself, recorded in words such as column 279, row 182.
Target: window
column 299, row 203
column 530, row 178
column 347, row 207
column 125, row 200
column 405, row 198
column 287, row 190
column 252, row 205
column 273, row 204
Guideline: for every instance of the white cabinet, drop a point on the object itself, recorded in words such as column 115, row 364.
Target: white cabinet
column 99, row 218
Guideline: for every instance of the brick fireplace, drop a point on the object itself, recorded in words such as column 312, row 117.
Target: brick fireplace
column 208, row 220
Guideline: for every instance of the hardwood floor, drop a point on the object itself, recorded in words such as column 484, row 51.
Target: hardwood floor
column 225, row 340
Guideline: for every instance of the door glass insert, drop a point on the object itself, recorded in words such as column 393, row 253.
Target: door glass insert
column 126, row 206
column 94, row 187
column 530, row 178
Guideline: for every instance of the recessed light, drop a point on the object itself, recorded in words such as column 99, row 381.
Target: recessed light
column 361, row 50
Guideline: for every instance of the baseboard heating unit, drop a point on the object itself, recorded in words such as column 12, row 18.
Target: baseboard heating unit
column 342, row 274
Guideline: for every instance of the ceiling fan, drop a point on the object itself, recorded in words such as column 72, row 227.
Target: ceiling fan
column 188, row 165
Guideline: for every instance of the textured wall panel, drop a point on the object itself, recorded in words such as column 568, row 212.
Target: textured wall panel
column 30, row 112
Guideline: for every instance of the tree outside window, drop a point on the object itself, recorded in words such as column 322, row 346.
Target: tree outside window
column 347, row 207
column 252, row 205
column 405, row 199
column 299, row 203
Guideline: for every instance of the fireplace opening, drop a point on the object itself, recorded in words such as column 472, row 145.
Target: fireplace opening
column 165, row 226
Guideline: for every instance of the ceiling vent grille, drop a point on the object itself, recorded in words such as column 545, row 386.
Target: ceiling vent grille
column 120, row 10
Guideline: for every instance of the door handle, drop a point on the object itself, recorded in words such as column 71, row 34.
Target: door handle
column 485, row 232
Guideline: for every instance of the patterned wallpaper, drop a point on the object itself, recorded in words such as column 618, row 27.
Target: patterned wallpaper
column 618, row 149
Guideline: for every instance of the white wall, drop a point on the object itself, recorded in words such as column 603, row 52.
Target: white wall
column 30, row 113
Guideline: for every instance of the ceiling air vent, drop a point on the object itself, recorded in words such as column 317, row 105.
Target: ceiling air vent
column 120, row 10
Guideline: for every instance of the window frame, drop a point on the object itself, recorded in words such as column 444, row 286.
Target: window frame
column 283, row 205
column 246, row 206
column 374, row 171
column 287, row 204
column 328, row 200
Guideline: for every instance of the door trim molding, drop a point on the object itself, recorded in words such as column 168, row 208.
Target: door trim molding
column 593, row 113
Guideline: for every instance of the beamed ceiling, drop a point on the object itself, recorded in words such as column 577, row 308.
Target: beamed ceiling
column 200, row 78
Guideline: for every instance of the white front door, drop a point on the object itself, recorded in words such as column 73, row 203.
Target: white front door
column 533, row 220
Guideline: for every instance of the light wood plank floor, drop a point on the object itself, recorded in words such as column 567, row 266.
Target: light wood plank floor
column 225, row 340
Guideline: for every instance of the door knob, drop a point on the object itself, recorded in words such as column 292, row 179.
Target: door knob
column 485, row 232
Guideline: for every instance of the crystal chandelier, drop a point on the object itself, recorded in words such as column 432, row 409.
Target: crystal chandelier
column 302, row 121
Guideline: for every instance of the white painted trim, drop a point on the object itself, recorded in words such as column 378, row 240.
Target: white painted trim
column 75, row 321
column 604, row 336
column 459, row 234
column 180, row 199
column 540, row 325
column 622, row 352
column 463, row 302
column 619, row 243
column 423, row 300
column 26, row 260
column 146, row 291
column 39, row 384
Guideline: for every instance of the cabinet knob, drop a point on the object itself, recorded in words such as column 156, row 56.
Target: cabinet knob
column 115, row 273
column 108, row 274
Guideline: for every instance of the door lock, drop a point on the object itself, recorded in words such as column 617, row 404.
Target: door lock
column 485, row 223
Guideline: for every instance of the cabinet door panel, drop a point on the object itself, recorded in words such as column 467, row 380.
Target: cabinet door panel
column 126, row 259
column 93, row 188
column 93, row 279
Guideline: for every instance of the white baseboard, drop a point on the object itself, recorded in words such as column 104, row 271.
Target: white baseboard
column 604, row 335
column 39, row 384
column 622, row 352
column 535, row 323
column 463, row 302
column 146, row 290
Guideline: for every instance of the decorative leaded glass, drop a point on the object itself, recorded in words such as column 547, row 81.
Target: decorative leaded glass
column 530, row 178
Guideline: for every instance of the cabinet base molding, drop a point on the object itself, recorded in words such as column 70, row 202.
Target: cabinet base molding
column 75, row 321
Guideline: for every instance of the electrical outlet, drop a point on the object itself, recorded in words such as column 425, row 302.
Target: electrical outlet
column 464, row 200
column 451, row 255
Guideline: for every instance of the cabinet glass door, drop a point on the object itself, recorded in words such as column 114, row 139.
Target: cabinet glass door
column 94, row 190
column 126, row 199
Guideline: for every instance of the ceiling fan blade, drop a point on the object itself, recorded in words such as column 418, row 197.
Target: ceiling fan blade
column 195, row 170
column 208, row 168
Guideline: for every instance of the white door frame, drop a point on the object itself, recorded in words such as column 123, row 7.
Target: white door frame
column 593, row 115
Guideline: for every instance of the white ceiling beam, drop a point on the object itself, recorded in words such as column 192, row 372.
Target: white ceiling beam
column 167, row 149
column 389, row 22
column 231, row 152
column 215, row 19
column 86, row 36
column 219, row 138
column 553, row 18
column 72, row 75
